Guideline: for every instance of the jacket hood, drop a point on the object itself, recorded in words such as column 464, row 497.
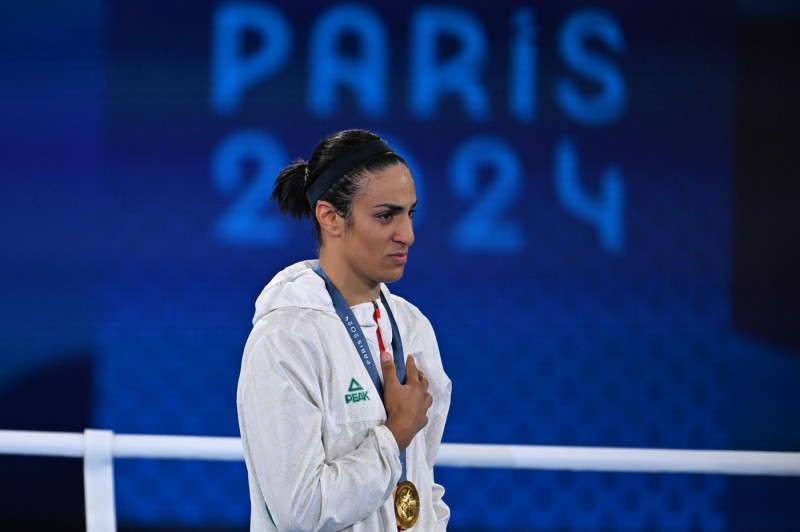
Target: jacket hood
column 297, row 286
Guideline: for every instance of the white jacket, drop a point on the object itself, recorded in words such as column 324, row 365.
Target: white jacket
column 317, row 460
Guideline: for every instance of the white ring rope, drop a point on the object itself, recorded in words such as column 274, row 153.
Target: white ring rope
column 450, row 454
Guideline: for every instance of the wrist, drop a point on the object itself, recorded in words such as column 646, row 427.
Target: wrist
column 398, row 433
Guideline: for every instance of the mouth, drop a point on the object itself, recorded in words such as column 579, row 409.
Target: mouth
column 399, row 258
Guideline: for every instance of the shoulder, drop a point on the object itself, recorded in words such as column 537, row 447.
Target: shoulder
column 406, row 310
column 287, row 347
column 292, row 325
column 415, row 328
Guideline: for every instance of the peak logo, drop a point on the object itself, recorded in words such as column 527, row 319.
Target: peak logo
column 355, row 393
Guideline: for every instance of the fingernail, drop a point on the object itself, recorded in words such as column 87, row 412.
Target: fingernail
column 385, row 356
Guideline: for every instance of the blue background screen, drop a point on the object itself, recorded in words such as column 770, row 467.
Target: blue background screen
column 577, row 240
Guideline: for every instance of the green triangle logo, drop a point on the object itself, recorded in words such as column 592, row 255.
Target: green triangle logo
column 354, row 386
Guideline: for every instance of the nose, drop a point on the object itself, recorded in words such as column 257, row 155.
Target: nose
column 405, row 231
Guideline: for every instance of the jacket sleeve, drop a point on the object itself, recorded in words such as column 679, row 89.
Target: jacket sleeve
column 440, row 388
column 280, row 415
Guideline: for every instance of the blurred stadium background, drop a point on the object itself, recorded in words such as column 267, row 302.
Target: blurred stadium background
column 608, row 239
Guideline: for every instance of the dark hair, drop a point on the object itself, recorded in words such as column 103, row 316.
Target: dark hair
column 293, row 181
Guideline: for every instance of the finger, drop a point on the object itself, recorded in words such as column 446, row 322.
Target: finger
column 411, row 368
column 423, row 380
column 387, row 366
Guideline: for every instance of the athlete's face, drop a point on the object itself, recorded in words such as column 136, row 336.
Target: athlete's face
column 380, row 231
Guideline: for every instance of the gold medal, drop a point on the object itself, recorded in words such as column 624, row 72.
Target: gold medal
column 406, row 504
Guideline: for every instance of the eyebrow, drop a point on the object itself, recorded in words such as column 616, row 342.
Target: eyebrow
column 392, row 206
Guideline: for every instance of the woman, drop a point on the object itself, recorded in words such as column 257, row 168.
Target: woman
column 342, row 398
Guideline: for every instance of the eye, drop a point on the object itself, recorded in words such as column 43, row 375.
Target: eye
column 385, row 216
column 412, row 213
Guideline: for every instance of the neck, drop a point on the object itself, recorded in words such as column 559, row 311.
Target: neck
column 354, row 288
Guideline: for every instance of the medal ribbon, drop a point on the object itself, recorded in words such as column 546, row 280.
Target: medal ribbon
column 360, row 342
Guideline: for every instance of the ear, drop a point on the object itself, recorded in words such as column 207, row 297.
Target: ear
column 329, row 220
